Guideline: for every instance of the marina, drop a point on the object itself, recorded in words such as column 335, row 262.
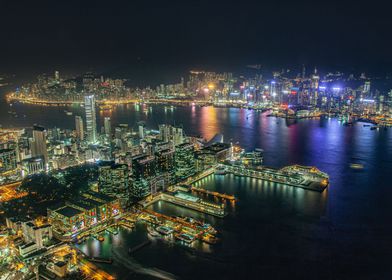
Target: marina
column 181, row 227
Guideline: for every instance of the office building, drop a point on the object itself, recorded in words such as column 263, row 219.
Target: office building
column 33, row 165
column 79, row 128
column 185, row 164
column 7, row 160
column 91, row 122
column 114, row 180
column 39, row 147
column 107, row 127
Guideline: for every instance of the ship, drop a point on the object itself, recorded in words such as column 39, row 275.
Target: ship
column 357, row 166
column 164, row 230
column 198, row 223
column 187, row 238
column 220, row 170
column 152, row 232
column 209, row 238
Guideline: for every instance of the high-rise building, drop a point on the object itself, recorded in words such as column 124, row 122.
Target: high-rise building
column 165, row 160
column 114, row 181
column 366, row 87
column 141, row 130
column 7, row 160
column 39, row 147
column 91, row 122
column 144, row 167
column 79, row 128
column 107, row 126
column 315, row 86
column 185, row 163
column 168, row 133
column 57, row 75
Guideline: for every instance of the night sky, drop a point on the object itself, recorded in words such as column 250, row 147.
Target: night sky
column 179, row 35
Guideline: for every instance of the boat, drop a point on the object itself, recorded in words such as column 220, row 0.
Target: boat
column 366, row 125
column 164, row 230
column 373, row 127
column 187, row 238
column 220, row 170
column 152, row 232
column 357, row 166
column 198, row 223
column 101, row 238
column 210, row 239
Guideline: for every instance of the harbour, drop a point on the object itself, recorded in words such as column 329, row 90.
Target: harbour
column 278, row 222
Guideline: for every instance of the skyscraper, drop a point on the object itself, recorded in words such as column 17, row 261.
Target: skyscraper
column 57, row 75
column 107, row 126
column 185, row 162
column 91, row 122
column 39, row 143
column 7, row 160
column 79, row 128
column 168, row 133
column 315, row 86
column 141, row 130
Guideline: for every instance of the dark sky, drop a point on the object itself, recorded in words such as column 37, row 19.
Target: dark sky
column 175, row 35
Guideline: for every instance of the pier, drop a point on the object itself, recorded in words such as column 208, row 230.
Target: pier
column 179, row 225
column 309, row 178
column 188, row 201
column 215, row 194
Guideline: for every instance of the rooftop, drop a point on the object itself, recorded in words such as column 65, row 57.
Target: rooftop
column 68, row 211
column 187, row 196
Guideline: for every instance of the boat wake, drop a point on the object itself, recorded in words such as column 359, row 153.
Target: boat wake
column 138, row 268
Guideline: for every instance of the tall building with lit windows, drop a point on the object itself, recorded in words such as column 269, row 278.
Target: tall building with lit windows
column 185, row 163
column 79, row 128
column 107, row 126
column 39, row 147
column 91, row 122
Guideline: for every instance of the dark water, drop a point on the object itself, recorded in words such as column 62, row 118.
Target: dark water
column 273, row 232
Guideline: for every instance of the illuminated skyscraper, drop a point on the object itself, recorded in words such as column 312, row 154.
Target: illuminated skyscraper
column 39, row 143
column 57, row 75
column 91, row 122
column 366, row 87
column 315, row 85
column 141, row 130
column 107, row 126
column 79, row 128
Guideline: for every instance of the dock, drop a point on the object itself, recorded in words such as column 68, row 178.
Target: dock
column 188, row 201
column 180, row 225
column 100, row 260
column 309, row 178
column 215, row 194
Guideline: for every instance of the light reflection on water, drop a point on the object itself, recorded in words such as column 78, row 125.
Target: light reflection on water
column 270, row 223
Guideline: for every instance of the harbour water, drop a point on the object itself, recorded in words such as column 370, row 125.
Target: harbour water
column 275, row 231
